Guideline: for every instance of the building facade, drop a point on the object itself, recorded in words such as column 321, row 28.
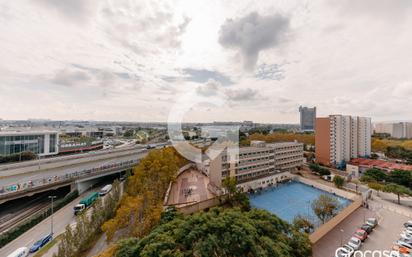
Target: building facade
column 395, row 130
column 339, row 138
column 307, row 118
column 42, row 143
column 258, row 164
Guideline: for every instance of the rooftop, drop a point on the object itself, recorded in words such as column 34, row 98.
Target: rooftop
column 380, row 164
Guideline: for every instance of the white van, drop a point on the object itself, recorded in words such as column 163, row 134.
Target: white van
column 21, row 252
column 106, row 189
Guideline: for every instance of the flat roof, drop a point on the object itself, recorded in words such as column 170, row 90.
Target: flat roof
column 380, row 164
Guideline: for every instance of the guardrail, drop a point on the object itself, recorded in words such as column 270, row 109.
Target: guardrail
column 22, row 188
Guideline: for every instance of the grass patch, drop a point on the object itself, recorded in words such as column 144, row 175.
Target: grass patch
column 46, row 248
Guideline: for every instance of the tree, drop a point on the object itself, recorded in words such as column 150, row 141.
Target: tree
column 235, row 196
column 377, row 174
column 398, row 190
column 401, row 177
column 221, row 232
column 303, row 223
column 376, row 186
column 338, row 181
column 325, row 207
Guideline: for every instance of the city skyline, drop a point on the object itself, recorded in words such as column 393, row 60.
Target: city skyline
column 131, row 61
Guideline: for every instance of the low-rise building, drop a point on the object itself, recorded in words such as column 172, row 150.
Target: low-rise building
column 356, row 167
column 259, row 165
column 42, row 143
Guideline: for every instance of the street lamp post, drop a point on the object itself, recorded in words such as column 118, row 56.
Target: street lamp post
column 341, row 237
column 52, row 197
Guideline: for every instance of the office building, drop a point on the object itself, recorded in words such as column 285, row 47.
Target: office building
column 42, row 143
column 307, row 118
column 339, row 138
column 259, row 165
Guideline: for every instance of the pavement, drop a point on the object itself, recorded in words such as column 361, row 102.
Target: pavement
column 391, row 218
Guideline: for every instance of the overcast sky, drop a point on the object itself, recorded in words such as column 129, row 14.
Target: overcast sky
column 133, row 60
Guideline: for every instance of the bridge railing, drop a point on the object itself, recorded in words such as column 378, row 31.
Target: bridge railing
column 33, row 184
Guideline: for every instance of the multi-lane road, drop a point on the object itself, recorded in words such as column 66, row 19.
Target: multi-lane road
column 29, row 175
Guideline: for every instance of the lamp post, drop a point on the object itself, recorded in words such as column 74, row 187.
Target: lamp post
column 52, row 197
column 38, row 151
column 341, row 236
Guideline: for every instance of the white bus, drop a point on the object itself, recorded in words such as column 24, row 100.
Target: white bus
column 106, row 189
column 21, row 252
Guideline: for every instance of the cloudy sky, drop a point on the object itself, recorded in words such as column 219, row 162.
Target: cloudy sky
column 136, row 60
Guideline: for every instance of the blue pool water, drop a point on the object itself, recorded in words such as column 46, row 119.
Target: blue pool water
column 291, row 199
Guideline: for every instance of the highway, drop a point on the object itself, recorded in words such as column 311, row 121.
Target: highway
column 27, row 176
column 61, row 218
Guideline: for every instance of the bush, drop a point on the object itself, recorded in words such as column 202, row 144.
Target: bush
column 24, row 156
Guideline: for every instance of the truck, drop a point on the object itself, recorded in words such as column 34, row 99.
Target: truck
column 85, row 203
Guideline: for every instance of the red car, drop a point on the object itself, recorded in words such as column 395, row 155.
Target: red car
column 361, row 234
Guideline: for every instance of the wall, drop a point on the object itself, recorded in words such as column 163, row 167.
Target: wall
column 200, row 206
column 322, row 141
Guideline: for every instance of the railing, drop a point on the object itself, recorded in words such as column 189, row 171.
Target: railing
column 68, row 177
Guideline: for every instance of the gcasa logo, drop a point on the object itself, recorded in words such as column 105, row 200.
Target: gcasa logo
column 343, row 252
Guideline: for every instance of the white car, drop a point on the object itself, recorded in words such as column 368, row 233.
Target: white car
column 407, row 236
column 403, row 243
column 355, row 243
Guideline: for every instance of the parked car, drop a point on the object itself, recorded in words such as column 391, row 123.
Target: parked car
column 355, row 243
column 20, row 252
column 406, row 236
column 408, row 224
column 361, row 234
column 367, row 228
column 402, row 243
column 344, row 252
column 40, row 243
column 373, row 222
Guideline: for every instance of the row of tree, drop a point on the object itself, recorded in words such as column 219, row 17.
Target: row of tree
column 142, row 204
column 78, row 240
column 398, row 182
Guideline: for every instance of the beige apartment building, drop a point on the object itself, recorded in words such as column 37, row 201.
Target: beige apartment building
column 259, row 165
column 339, row 138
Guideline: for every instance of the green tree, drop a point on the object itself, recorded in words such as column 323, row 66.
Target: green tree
column 401, row 177
column 235, row 196
column 398, row 190
column 303, row 224
column 325, row 207
column 338, row 181
column 377, row 174
column 221, row 232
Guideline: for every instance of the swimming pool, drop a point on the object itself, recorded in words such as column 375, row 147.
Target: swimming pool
column 292, row 199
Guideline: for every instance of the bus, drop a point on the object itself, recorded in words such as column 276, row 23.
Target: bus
column 21, row 252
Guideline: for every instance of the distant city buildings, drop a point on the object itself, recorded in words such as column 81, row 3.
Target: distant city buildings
column 395, row 130
column 339, row 138
column 307, row 118
column 42, row 143
column 259, row 165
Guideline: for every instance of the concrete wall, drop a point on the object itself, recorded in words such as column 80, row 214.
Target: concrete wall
column 331, row 224
column 200, row 206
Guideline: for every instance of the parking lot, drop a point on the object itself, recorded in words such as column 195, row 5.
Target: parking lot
column 382, row 238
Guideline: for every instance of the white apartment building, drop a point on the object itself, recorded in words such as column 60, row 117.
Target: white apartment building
column 339, row 138
column 258, row 165
column 395, row 130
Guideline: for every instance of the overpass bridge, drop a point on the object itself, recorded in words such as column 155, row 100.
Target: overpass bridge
column 30, row 177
